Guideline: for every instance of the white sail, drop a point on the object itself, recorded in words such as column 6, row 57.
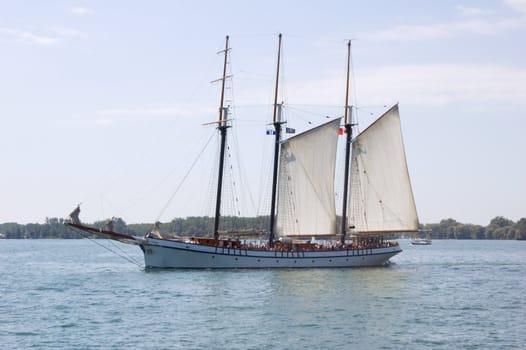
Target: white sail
column 306, row 183
column 381, row 198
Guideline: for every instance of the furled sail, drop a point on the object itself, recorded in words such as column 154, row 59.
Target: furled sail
column 306, row 182
column 381, row 198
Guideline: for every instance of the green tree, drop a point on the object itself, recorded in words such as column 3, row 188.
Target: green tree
column 520, row 229
column 501, row 221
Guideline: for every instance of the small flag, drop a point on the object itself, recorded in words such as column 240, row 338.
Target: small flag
column 271, row 132
column 290, row 130
column 341, row 131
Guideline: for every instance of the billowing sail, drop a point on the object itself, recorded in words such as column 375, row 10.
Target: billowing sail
column 381, row 198
column 306, row 182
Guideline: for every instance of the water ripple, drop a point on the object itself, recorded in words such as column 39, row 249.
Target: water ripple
column 453, row 294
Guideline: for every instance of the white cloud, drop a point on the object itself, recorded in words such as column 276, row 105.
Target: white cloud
column 446, row 30
column 439, row 84
column 479, row 21
column 473, row 11
column 517, row 5
column 174, row 111
column 425, row 84
column 81, row 11
column 68, row 33
column 104, row 122
column 43, row 40
column 30, row 37
column 412, row 32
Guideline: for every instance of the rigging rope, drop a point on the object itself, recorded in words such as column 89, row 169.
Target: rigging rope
column 242, row 173
column 183, row 180
column 124, row 255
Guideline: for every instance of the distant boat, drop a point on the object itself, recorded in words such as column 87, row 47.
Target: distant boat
column 421, row 241
column 377, row 200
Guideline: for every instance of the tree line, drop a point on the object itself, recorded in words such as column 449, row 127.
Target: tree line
column 498, row 228
column 191, row 226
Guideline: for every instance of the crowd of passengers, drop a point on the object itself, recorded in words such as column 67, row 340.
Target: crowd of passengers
column 365, row 243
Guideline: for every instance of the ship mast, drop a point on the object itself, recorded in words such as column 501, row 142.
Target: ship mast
column 222, row 127
column 276, row 119
column 348, row 133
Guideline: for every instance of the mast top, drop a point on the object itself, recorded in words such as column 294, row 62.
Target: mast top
column 346, row 117
column 275, row 114
column 221, row 105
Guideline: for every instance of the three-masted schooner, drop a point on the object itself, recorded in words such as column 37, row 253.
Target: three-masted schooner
column 377, row 201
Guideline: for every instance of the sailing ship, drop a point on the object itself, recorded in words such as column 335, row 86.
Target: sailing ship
column 421, row 241
column 377, row 200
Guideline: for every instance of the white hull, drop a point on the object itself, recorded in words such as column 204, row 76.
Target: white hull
column 176, row 254
column 421, row 242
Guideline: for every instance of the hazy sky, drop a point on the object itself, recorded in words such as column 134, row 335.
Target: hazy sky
column 103, row 102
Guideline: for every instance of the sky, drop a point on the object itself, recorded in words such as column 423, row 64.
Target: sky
column 103, row 102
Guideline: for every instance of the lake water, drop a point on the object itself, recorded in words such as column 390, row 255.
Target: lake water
column 74, row 294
